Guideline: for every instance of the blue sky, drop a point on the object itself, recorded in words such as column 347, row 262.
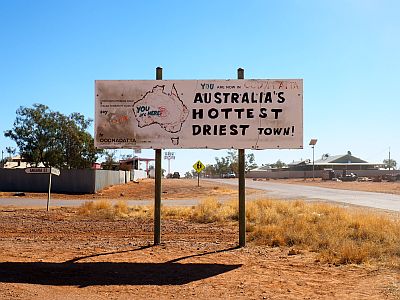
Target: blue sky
column 346, row 51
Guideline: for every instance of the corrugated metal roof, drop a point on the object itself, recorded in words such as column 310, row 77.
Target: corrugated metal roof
column 299, row 162
column 345, row 158
column 263, row 168
column 347, row 164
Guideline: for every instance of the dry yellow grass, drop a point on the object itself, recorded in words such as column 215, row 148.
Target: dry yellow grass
column 101, row 209
column 176, row 212
column 210, row 210
column 105, row 210
column 338, row 235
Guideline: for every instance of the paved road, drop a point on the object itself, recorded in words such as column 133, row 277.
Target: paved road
column 267, row 188
column 294, row 191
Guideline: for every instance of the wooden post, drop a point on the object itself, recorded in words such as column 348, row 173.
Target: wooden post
column 242, row 188
column 157, row 189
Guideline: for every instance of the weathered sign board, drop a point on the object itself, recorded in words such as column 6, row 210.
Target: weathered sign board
column 216, row 114
column 39, row 170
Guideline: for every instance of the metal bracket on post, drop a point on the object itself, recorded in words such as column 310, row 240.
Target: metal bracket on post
column 157, row 188
column 242, row 187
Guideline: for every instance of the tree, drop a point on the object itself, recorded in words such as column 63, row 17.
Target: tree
column 279, row 164
column 188, row 175
column 233, row 159
column 11, row 151
column 390, row 164
column 222, row 165
column 152, row 167
column 230, row 163
column 51, row 138
column 126, row 156
column 210, row 171
column 110, row 159
column 250, row 162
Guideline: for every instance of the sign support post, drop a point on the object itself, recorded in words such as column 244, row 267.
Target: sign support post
column 242, row 187
column 157, row 189
column 50, row 171
column 198, row 166
column 48, row 195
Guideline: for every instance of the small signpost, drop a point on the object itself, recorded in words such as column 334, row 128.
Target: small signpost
column 168, row 156
column 198, row 166
column 50, row 171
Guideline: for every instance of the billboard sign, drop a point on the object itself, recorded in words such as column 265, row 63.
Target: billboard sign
column 216, row 114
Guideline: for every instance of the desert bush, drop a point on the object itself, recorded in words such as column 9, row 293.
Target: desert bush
column 141, row 211
column 176, row 212
column 101, row 209
column 121, row 208
column 210, row 210
column 104, row 209
column 337, row 234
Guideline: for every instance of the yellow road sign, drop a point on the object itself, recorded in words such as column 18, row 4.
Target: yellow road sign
column 198, row 166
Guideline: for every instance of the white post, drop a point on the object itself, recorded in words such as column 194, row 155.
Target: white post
column 48, row 195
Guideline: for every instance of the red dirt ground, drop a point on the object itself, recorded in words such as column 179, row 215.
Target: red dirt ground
column 63, row 255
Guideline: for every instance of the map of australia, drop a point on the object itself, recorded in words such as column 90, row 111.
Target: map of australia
column 162, row 108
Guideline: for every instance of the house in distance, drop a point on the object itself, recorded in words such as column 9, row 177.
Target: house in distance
column 340, row 164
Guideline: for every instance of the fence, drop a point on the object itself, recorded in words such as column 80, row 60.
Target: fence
column 86, row 181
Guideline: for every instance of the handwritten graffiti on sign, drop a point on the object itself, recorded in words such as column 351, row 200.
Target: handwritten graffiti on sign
column 159, row 107
column 216, row 114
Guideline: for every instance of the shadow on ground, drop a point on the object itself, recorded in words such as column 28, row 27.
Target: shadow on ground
column 83, row 274
column 108, row 273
